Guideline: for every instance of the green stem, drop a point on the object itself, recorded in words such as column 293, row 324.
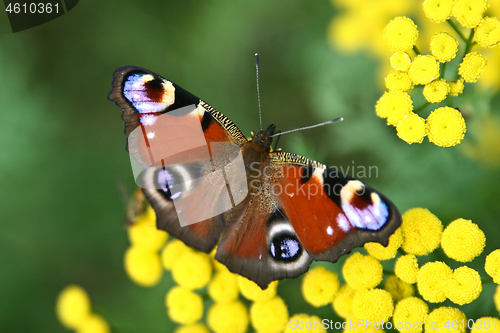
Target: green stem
column 454, row 26
column 468, row 45
column 421, row 107
column 388, row 272
column 485, row 281
column 416, row 50
column 443, row 68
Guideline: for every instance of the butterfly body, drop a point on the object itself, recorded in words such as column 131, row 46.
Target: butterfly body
column 291, row 211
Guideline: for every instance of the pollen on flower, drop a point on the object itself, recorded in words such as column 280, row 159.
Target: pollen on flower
column 472, row 66
column 422, row 231
column 143, row 266
column 309, row 323
column 319, row 286
column 438, row 10
column 394, row 106
column 269, row 315
column 342, row 304
column 252, row 291
column 424, row 69
column 486, row 324
column 192, row 328
column 400, row 61
column 398, row 288
column 469, row 12
column 400, row 34
column 228, row 317
column 410, row 310
column 445, row 127
column 456, row 87
column 436, row 91
column 381, row 252
column 73, row 306
column 193, row 270
column 406, row 268
column 411, row 129
column 183, row 305
column 398, row 81
column 443, row 46
column 492, row 265
column 464, row 286
column 463, row 240
column 362, row 272
column 446, row 314
column 432, row 279
column 487, row 33
column 375, row 305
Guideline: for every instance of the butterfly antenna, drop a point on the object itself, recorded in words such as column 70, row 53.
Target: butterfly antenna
column 258, row 89
column 309, row 127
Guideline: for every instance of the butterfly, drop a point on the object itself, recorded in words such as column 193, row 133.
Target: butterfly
column 286, row 210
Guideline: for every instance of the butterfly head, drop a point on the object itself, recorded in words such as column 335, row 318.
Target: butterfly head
column 264, row 138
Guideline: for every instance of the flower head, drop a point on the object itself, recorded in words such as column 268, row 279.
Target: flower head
column 406, row 268
column 342, row 304
column 73, row 306
column 375, row 305
column 398, row 288
column 319, row 286
column 411, row 129
column 253, row 292
column 94, row 324
column 496, row 298
column 445, row 127
column 228, row 317
column 224, row 287
column 308, row 323
column 421, row 230
column 193, row 270
column 492, row 265
column 269, row 315
column 400, row 34
column 487, row 33
column 424, row 69
column 147, row 236
column 443, row 46
column 410, row 310
column 456, row 87
column 394, row 106
column 192, row 328
column 143, row 266
column 432, row 279
column 436, row 91
column 381, row 252
column 362, row 272
column 464, row 286
column 172, row 252
column 398, row 81
column 183, row 305
column 472, row 66
column 448, row 315
column 469, row 12
column 400, row 61
column 463, row 240
column 438, row 10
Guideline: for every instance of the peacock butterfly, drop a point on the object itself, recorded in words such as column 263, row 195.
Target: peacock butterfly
column 278, row 215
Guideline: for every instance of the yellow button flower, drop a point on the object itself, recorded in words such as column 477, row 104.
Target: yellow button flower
column 409, row 315
column 381, row 252
column 446, row 319
column 183, row 305
column 375, row 305
column 443, row 46
column 400, row 34
column 400, row 61
column 398, row 81
column 432, row 279
column 172, row 252
column 436, row 91
column 94, row 324
column 394, row 106
column 269, row 316
column 472, row 66
column 193, row 270
column 406, row 268
column 230, row 317
column 73, row 306
column 252, row 291
column 438, row 10
column 464, row 286
column 487, row 33
column 399, row 289
column 422, row 231
column 463, row 240
column 319, row 286
column 411, row 129
column 496, row 298
column 456, row 87
column 469, row 12
column 342, row 304
column 424, row 69
column 445, row 127
column 224, row 287
column 143, row 266
column 486, row 324
column 362, row 272
column 492, row 265
column 304, row 322
column 147, row 236
column 193, row 328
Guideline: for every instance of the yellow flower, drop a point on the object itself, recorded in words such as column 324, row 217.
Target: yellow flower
column 424, row 69
column 342, row 304
column 94, row 324
column 73, row 306
column 406, row 268
column 410, row 310
column 443, row 46
column 496, row 298
column 394, row 106
column 319, row 286
column 438, row 10
column 456, row 87
column 252, row 291
column 143, row 266
column 230, row 317
column 472, row 66
column 463, row 240
column 487, row 33
column 184, row 306
column 436, row 91
column 147, row 236
column 172, row 252
column 398, row 81
column 362, row 272
column 375, row 305
column 400, row 61
column 381, row 252
column 398, row 289
column 269, row 316
column 492, row 265
column 193, row 270
column 400, row 34
column 445, row 127
column 464, row 286
column 304, row 322
column 192, row 328
column 411, row 129
column 486, row 324
column 224, row 287
column 432, row 279
column 446, row 319
column 421, row 231
column 469, row 12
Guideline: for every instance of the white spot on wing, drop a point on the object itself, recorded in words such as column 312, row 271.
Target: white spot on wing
column 329, row 230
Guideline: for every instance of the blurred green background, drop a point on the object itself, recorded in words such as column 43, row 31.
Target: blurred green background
column 63, row 152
